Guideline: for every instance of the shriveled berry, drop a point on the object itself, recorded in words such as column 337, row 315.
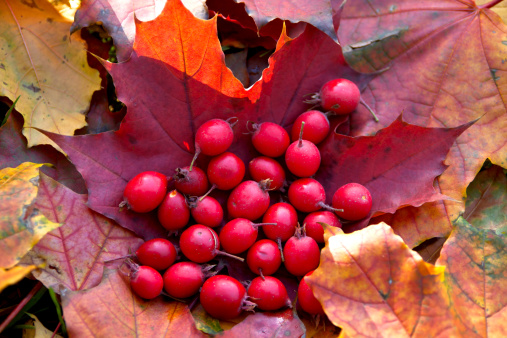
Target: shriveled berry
column 193, row 183
column 145, row 191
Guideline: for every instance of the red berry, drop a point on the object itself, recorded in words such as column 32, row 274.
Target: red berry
column 286, row 219
column 145, row 191
column 264, row 257
column 183, row 279
column 302, row 254
column 193, row 183
column 307, row 195
column 354, row 199
column 269, row 293
column 226, row 171
column 174, row 213
column 222, row 297
column 307, row 300
column 302, row 157
column 238, row 235
column 313, row 227
column 340, row 96
column 263, row 167
column 158, row 253
column 316, row 127
column 199, row 243
column 146, row 282
column 207, row 211
column 270, row 139
column 248, row 200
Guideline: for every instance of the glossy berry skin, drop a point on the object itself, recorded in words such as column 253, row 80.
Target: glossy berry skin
column 238, row 235
column 183, row 279
column 340, row 96
column 286, row 218
column 313, row 227
column 146, row 282
column 302, row 255
column 145, row 191
column 222, row 297
column 193, row 183
column 307, row 300
column 174, row 213
column 158, row 253
column 214, row 137
column 354, row 199
column 269, row 293
column 199, row 243
column 226, row 171
column 302, row 158
column 316, row 127
column 270, row 139
column 263, row 167
column 248, row 200
column 264, row 256
column 208, row 212
column 305, row 194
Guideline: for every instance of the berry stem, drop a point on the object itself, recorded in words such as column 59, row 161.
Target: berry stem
column 122, row 257
column 327, row 207
column 223, row 253
column 256, row 225
column 279, row 241
column 234, row 119
column 197, row 152
column 300, row 144
column 209, row 191
column 369, row 109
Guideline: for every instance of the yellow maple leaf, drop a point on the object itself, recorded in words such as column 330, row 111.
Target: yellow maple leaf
column 45, row 68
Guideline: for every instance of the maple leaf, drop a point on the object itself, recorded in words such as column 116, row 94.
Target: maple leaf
column 21, row 225
column 111, row 310
column 75, row 252
column 446, row 67
column 397, row 295
column 117, row 18
column 41, row 65
column 13, row 152
column 398, row 165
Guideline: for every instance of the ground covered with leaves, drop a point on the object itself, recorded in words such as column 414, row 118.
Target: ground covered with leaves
column 90, row 98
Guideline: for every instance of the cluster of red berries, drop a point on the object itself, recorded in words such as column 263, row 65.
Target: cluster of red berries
column 222, row 296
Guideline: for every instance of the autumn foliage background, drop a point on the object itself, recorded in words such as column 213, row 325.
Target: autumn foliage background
column 119, row 87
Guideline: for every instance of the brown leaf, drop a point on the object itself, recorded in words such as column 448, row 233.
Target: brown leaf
column 75, row 253
column 21, row 226
column 45, row 68
column 371, row 284
column 112, row 310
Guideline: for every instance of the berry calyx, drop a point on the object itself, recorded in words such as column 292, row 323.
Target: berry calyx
column 302, row 157
column 145, row 191
column 355, row 200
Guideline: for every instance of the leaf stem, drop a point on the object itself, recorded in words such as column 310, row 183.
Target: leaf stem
column 20, row 306
column 490, row 4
